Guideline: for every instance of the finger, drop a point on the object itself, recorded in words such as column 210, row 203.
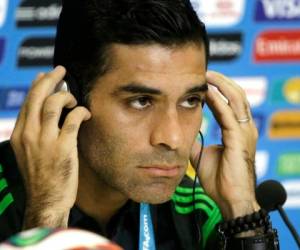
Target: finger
column 38, row 78
column 218, row 79
column 233, row 133
column 69, row 131
column 236, row 96
column 21, row 115
column 37, row 95
column 221, row 111
column 210, row 160
column 195, row 153
column 52, row 110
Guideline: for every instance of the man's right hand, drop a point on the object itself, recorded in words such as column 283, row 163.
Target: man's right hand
column 47, row 155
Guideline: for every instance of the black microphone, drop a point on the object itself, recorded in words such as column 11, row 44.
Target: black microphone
column 271, row 196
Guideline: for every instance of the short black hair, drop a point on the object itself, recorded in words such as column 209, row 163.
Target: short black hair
column 87, row 28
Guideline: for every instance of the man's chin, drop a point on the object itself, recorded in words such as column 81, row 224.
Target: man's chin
column 153, row 195
column 157, row 200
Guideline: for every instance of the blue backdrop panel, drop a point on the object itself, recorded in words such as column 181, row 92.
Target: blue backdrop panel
column 257, row 43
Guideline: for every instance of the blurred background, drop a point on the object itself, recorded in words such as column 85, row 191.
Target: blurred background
column 257, row 43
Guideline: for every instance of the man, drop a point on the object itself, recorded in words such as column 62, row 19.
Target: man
column 140, row 72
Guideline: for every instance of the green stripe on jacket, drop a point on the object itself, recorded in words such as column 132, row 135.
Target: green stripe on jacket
column 185, row 203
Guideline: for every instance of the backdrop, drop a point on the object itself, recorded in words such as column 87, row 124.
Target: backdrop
column 257, row 43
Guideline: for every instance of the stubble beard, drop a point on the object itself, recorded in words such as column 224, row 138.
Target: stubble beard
column 116, row 169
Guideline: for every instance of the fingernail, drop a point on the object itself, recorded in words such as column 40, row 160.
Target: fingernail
column 211, row 87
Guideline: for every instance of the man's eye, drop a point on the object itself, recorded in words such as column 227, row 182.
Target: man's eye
column 191, row 102
column 141, row 102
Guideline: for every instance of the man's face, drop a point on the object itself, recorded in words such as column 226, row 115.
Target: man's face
column 146, row 113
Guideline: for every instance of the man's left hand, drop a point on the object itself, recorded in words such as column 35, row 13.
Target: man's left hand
column 227, row 171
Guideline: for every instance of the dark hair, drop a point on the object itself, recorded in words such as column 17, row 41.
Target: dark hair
column 87, row 28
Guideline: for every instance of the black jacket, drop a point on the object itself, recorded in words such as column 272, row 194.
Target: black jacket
column 181, row 223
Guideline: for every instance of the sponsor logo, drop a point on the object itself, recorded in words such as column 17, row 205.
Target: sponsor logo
column 36, row 52
column 289, row 164
column 225, row 46
column 291, row 90
column 38, row 13
column 6, row 128
column 277, row 46
column 12, row 98
column 279, row 10
column 261, row 163
column 285, row 125
column 2, row 45
column 276, row 93
column 219, row 13
column 255, row 88
column 292, row 188
column 3, row 11
column 146, row 238
column 286, row 91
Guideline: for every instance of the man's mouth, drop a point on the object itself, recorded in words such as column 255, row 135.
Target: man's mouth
column 162, row 170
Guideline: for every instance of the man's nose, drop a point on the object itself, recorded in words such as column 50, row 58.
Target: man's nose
column 167, row 131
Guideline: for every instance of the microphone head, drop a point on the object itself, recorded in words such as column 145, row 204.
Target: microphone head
column 270, row 194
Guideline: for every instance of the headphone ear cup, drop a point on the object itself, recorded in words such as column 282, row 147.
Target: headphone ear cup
column 73, row 87
column 69, row 84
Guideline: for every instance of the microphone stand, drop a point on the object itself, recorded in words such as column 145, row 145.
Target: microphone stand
column 289, row 224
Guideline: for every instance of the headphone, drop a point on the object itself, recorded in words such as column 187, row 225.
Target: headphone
column 70, row 85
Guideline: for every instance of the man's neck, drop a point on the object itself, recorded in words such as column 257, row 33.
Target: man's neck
column 95, row 198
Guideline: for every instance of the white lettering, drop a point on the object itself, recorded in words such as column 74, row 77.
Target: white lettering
column 15, row 98
column 224, row 48
column 43, row 13
column 277, row 47
column 146, row 242
column 281, row 8
column 36, row 52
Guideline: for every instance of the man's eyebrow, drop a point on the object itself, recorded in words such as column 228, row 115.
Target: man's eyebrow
column 138, row 88
column 199, row 88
